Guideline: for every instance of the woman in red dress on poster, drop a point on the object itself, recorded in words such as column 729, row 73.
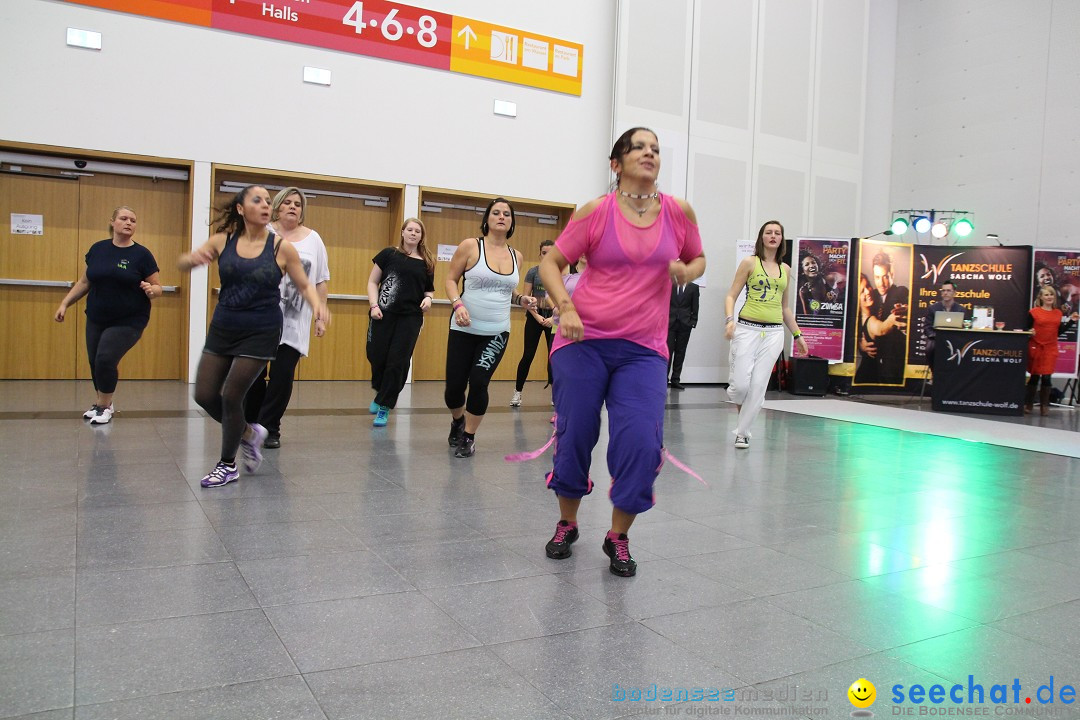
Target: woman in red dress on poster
column 1049, row 322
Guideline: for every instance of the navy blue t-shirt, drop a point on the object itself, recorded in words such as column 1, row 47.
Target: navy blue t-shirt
column 114, row 273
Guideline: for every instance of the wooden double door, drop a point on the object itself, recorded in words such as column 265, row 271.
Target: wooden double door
column 36, row 271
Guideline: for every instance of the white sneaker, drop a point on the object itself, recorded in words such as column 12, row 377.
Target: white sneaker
column 91, row 412
column 742, row 442
column 516, row 400
column 102, row 416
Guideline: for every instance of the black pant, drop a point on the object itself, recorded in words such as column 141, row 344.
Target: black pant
column 678, row 337
column 390, row 345
column 471, row 360
column 533, row 331
column 106, row 345
column 1033, row 381
column 221, row 384
column 270, row 394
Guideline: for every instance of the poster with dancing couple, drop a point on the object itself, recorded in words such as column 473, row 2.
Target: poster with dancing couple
column 1060, row 269
column 821, row 270
column 880, row 335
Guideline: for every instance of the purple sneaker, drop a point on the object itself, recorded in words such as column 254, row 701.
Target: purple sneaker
column 222, row 474
column 252, row 449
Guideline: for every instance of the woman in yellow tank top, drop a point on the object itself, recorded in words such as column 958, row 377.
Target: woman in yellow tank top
column 757, row 334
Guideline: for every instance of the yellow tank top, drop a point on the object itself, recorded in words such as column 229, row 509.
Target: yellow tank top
column 764, row 295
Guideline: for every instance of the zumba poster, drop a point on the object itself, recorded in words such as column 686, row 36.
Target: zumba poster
column 821, row 270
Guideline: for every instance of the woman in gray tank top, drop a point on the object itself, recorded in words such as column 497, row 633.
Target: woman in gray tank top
column 480, row 325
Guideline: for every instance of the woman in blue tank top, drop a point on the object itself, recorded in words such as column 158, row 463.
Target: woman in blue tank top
column 246, row 326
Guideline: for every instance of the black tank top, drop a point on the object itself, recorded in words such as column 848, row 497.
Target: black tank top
column 250, row 297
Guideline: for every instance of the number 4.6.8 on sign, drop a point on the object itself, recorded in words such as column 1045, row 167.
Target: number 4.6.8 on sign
column 425, row 27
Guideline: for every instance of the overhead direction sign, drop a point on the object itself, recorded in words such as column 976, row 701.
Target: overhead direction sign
column 387, row 30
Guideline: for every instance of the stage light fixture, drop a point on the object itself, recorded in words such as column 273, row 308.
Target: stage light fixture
column 899, row 226
column 921, row 224
column 940, row 228
column 963, row 227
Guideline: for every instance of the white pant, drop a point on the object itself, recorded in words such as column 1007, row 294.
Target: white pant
column 753, row 355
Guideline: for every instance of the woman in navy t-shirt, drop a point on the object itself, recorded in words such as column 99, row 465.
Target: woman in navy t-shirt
column 121, row 279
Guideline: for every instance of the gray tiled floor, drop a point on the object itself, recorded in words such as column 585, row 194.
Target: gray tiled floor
column 365, row 573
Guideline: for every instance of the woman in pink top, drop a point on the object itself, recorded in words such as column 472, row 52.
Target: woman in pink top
column 612, row 342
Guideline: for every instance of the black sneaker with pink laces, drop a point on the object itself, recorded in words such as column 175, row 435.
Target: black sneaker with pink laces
column 617, row 547
column 558, row 547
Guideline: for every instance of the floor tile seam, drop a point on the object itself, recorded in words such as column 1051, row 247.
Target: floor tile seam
column 198, row 688
column 117, row 571
column 255, row 607
column 805, row 561
column 486, row 649
column 277, row 633
column 689, row 650
column 299, row 554
column 361, row 596
column 190, row 690
column 819, row 667
column 86, row 505
column 410, row 656
column 860, row 641
column 993, row 623
column 528, row 680
column 359, row 411
column 75, row 617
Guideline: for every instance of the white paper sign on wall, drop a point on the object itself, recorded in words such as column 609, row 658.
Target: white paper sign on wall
column 22, row 224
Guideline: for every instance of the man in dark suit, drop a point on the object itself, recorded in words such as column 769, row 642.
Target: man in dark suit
column 682, row 318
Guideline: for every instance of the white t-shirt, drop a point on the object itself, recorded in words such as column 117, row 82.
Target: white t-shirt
column 296, row 313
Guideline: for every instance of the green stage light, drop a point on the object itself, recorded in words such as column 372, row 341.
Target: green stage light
column 963, row 227
column 899, row 226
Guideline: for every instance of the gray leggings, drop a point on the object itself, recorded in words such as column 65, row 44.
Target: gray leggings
column 106, row 345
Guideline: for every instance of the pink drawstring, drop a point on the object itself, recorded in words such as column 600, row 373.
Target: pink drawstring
column 532, row 455
column 682, row 466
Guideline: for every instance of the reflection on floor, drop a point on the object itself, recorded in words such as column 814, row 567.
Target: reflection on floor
column 365, row 573
column 1034, row 433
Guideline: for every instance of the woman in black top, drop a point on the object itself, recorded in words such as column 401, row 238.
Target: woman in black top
column 400, row 289
column 538, row 321
column 246, row 327
column 121, row 278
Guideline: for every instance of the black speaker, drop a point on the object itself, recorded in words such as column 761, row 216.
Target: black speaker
column 809, row 376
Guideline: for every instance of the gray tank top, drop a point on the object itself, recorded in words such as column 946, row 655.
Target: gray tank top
column 487, row 297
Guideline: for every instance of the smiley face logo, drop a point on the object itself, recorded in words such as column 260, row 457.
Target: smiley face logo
column 862, row 693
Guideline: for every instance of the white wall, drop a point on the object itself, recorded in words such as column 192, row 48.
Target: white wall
column 761, row 107
column 988, row 115
column 167, row 89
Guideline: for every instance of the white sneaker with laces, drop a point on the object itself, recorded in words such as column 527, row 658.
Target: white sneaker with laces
column 91, row 412
column 515, row 401
column 102, row 416
column 742, row 442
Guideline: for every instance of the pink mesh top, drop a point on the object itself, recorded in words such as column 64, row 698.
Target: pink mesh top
column 625, row 289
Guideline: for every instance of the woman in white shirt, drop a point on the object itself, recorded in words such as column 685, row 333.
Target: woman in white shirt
column 270, row 395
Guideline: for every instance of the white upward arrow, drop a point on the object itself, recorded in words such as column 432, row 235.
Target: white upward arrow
column 466, row 31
